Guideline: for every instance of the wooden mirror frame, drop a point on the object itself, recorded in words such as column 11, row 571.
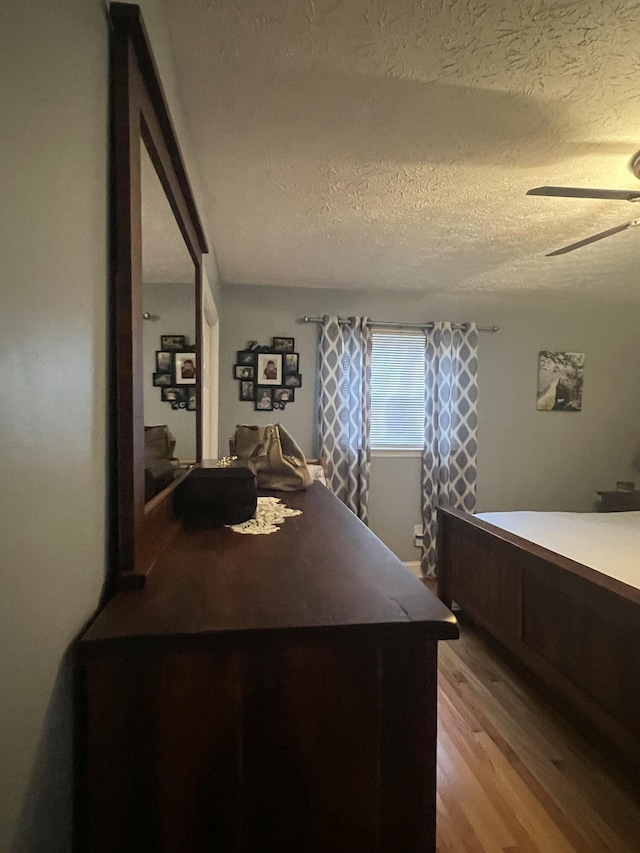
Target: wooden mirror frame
column 139, row 114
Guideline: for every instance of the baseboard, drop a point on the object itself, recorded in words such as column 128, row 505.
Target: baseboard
column 414, row 568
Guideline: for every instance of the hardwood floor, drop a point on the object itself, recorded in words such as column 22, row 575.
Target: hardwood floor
column 513, row 776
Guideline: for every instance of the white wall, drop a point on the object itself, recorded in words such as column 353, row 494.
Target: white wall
column 527, row 459
column 209, row 375
column 53, row 354
column 175, row 305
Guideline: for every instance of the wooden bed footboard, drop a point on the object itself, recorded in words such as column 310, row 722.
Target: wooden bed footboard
column 576, row 629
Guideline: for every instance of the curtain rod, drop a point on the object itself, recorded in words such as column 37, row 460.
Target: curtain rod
column 381, row 324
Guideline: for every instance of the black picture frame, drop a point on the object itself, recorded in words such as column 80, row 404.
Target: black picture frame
column 182, row 373
column 274, row 369
column 173, row 342
column 244, row 371
column 290, row 363
column 269, row 368
column 264, row 398
column 174, row 395
column 164, row 361
column 281, row 344
column 293, row 380
column 162, row 380
column 247, row 391
column 284, row 395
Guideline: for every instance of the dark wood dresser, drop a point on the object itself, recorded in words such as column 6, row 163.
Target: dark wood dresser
column 266, row 693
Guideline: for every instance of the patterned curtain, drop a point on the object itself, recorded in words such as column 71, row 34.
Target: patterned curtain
column 450, row 447
column 345, row 409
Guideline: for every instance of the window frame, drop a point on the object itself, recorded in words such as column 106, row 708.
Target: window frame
column 390, row 450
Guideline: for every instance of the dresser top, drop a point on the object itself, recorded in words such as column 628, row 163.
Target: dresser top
column 322, row 570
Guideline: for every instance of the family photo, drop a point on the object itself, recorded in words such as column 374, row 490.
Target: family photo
column 269, row 370
column 283, row 344
column 173, row 342
column 185, row 368
column 294, row 380
column 242, row 372
column 162, row 380
column 174, row 395
column 284, row 395
column 291, row 363
column 164, row 361
column 264, row 399
column 247, row 391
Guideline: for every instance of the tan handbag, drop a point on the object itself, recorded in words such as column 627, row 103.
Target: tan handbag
column 158, row 442
column 273, row 456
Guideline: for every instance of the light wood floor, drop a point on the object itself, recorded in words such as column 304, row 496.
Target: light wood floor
column 513, row 776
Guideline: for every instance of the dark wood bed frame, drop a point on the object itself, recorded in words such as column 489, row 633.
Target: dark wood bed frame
column 576, row 629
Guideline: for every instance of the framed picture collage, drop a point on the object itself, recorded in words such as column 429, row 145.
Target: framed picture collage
column 175, row 372
column 268, row 375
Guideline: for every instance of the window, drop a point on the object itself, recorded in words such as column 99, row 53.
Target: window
column 397, row 391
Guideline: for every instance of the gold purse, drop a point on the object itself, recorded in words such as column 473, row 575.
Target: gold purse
column 273, row 455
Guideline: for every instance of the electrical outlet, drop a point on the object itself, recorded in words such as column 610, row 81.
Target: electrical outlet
column 417, row 536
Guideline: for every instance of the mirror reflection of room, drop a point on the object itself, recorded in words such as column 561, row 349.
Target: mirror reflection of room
column 169, row 312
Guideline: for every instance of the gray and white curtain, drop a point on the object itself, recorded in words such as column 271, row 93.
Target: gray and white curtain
column 345, row 409
column 449, row 457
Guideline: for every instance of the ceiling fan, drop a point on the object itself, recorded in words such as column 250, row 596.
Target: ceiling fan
column 580, row 192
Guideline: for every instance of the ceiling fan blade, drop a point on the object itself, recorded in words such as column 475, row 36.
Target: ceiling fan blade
column 583, row 192
column 593, row 238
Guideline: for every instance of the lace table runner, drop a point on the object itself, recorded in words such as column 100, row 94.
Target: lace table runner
column 269, row 513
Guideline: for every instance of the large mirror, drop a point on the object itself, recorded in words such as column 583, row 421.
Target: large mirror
column 156, row 263
column 170, row 377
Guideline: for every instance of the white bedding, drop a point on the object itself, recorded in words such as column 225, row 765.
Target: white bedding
column 317, row 472
column 607, row 542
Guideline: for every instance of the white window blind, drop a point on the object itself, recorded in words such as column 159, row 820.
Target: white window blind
column 397, row 391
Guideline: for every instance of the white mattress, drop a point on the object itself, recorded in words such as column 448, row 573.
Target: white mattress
column 317, row 473
column 607, row 542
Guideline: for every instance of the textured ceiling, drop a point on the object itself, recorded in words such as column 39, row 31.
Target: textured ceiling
column 390, row 143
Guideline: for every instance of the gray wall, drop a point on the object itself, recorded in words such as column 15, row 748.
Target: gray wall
column 52, row 422
column 53, row 348
column 527, row 459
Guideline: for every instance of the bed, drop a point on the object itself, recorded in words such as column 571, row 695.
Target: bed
column 318, row 470
column 569, row 613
